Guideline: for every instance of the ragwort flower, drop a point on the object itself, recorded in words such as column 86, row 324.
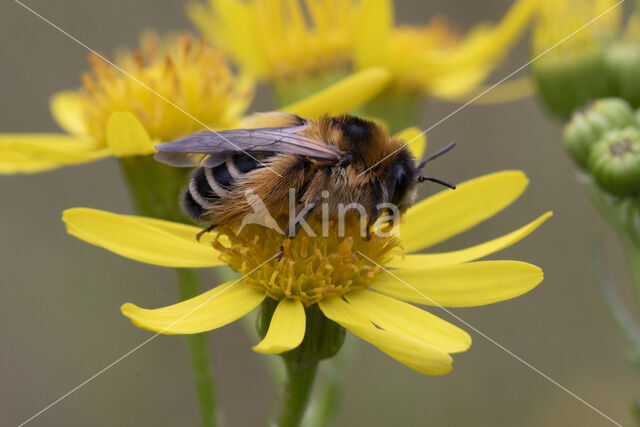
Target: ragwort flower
column 289, row 45
column 342, row 276
column 166, row 89
column 125, row 115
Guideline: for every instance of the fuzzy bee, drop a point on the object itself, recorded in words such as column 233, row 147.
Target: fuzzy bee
column 351, row 158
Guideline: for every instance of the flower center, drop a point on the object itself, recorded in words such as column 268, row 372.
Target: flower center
column 310, row 268
column 620, row 148
column 178, row 70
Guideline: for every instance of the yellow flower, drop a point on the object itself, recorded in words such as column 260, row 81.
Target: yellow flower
column 571, row 39
column 344, row 277
column 164, row 90
column 273, row 40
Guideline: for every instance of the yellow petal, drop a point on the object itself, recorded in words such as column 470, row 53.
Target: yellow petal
column 30, row 153
column 372, row 36
column 234, row 28
column 499, row 41
column 417, row 355
column 343, row 96
column 468, row 254
column 67, row 110
column 463, row 285
column 452, row 73
column 417, row 140
column 210, row 310
column 147, row 240
column 451, row 212
column 286, row 329
column 126, row 136
column 405, row 319
column 507, row 91
column 455, row 85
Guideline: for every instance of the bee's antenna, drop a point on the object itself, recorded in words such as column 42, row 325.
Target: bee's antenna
column 437, row 154
column 437, row 180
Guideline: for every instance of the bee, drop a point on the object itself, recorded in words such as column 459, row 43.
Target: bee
column 352, row 159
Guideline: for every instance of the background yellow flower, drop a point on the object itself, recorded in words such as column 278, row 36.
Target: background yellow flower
column 284, row 41
column 166, row 89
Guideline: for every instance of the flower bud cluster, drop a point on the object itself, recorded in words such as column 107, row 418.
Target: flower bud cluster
column 604, row 140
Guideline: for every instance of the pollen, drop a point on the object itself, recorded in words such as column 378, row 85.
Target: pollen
column 310, row 267
column 173, row 85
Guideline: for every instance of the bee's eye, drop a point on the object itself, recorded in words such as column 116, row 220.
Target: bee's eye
column 399, row 184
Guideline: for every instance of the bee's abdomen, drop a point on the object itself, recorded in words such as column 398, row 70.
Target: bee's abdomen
column 208, row 185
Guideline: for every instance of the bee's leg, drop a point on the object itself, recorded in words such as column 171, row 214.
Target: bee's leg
column 281, row 253
column 370, row 223
column 205, row 231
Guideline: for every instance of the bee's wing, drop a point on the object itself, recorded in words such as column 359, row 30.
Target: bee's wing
column 206, row 148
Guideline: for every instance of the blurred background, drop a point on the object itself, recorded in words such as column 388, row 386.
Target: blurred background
column 60, row 297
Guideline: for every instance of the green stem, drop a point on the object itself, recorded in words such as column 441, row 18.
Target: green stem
column 617, row 214
column 188, row 286
column 155, row 187
column 155, row 190
column 322, row 340
column 328, row 396
column 633, row 259
column 297, row 391
column 326, row 404
column 614, row 302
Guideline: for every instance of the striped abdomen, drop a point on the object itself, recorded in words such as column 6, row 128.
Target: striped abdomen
column 208, row 185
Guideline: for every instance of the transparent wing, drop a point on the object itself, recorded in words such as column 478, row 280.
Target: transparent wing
column 206, row 148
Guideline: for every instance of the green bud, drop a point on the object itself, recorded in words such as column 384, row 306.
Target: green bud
column 322, row 337
column 614, row 162
column 623, row 65
column 570, row 71
column 565, row 84
column 588, row 126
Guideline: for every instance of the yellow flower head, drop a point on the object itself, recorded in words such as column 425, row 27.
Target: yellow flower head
column 311, row 268
column 361, row 285
column 287, row 40
column 165, row 78
column 559, row 19
column 165, row 89
column 273, row 38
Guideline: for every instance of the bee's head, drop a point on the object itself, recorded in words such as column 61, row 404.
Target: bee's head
column 403, row 174
column 385, row 162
